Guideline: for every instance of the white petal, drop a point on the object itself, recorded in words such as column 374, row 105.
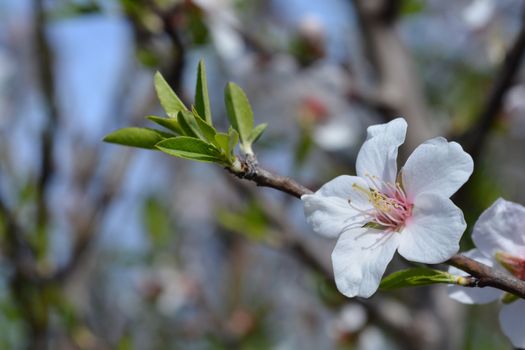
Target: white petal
column 342, row 187
column 329, row 216
column 500, row 228
column 432, row 233
column 378, row 154
column 396, row 128
column 328, row 210
column 469, row 295
column 360, row 258
column 511, row 319
column 436, row 166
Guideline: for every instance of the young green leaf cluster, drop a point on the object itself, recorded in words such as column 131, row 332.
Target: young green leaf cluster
column 191, row 134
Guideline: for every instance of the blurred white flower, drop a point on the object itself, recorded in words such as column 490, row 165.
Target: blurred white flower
column 479, row 13
column 222, row 22
column 169, row 288
column 380, row 211
column 352, row 318
column 514, row 105
column 372, row 338
column 311, row 25
column 515, row 99
column 335, row 135
column 500, row 241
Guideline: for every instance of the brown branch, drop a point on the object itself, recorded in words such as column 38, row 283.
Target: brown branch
column 44, row 60
column 483, row 274
column 474, row 138
column 487, row 277
column 250, row 170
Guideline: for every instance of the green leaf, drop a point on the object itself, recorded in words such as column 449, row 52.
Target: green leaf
column 419, row 276
column 137, row 137
column 206, row 129
column 202, row 99
column 257, row 132
column 168, row 99
column 239, row 112
column 169, row 123
column 191, row 148
column 189, row 125
column 223, row 140
column 233, row 139
column 227, row 143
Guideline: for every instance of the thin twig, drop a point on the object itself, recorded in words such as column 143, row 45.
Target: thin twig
column 250, row 170
column 44, row 59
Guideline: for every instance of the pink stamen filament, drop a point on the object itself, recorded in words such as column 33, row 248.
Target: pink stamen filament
column 391, row 207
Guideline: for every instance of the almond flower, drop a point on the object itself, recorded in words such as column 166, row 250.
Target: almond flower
column 500, row 241
column 380, row 210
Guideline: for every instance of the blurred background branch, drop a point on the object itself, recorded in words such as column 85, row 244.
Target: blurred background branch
column 473, row 139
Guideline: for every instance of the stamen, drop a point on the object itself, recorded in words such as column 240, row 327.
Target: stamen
column 390, row 205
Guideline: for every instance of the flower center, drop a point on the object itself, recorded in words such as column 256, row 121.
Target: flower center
column 390, row 206
column 514, row 264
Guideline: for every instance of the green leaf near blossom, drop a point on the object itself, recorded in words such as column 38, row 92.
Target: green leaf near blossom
column 419, row 276
column 168, row 98
column 257, row 132
column 233, row 137
column 189, row 125
column 222, row 140
column 227, row 142
column 206, row 129
column 137, row 137
column 168, row 123
column 240, row 113
column 194, row 135
column 192, row 148
column 202, row 100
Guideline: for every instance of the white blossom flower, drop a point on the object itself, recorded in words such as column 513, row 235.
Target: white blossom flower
column 380, row 210
column 500, row 241
column 479, row 13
